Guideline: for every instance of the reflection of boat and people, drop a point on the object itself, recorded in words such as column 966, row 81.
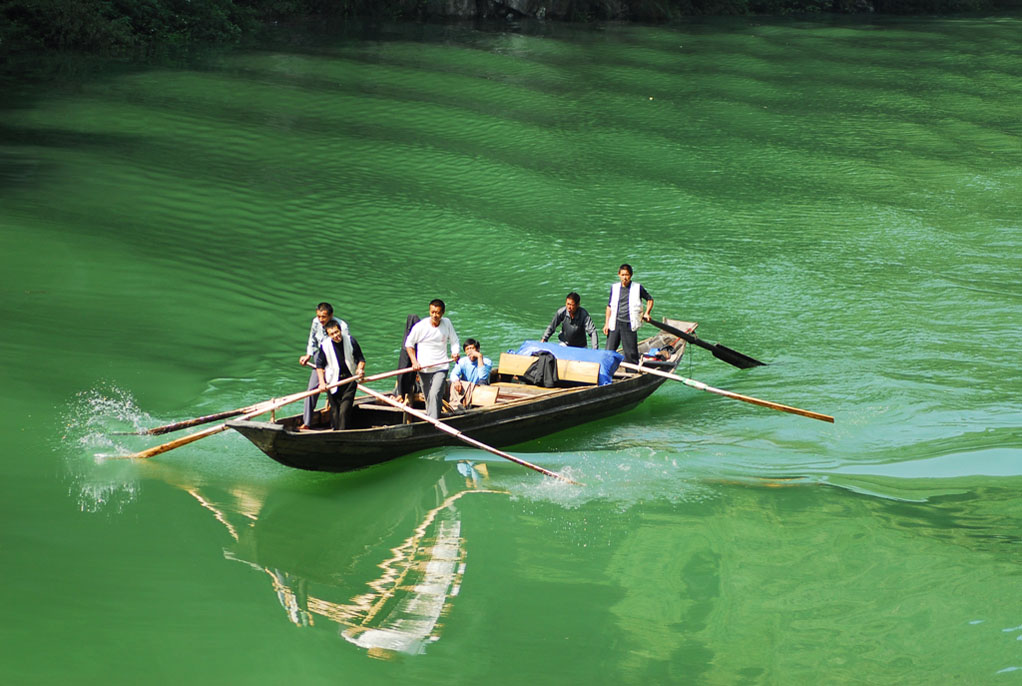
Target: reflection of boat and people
column 341, row 559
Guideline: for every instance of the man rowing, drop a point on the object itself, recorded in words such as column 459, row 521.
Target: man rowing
column 339, row 357
column 317, row 334
column 427, row 345
column 625, row 315
column 575, row 323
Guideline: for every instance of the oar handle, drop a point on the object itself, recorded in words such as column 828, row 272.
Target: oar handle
column 462, row 437
column 728, row 394
column 184, row 424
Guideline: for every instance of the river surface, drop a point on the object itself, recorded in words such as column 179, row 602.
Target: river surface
column 840, row 199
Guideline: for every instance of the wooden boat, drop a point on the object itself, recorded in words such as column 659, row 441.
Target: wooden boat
column 520, row 412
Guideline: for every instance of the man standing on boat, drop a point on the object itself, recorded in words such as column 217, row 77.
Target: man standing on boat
column 317, row 334
column 339, row 357
column 624, row 314
column 471, row 370
column 427, row 345
column 575, row 323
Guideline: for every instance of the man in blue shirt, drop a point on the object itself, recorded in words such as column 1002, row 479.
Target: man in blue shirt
column 470, row 371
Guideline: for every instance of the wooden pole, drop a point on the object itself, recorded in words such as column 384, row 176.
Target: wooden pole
column 186, row 423
column 462, row 437
column 261, row 408
column 728, row 394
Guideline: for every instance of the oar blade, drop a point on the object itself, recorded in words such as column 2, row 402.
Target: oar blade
column 735, row 358
column 721, row 352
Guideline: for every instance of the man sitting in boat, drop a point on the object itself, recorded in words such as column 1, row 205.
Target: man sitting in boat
column 335, row 359
column 317, row 334
column 575, row 323
column 471, row 370
column 624, row 314
column 427, row 344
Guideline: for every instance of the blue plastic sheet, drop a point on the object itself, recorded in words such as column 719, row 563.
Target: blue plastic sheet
column 607, row 359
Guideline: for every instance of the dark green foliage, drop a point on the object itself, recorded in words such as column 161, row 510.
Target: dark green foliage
column 116, row 25
column 121, row 25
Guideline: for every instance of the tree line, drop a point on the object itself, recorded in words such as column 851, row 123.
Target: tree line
column 121, row 25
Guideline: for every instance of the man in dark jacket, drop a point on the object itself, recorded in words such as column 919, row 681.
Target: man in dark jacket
column 338, row 358
column 575, row 323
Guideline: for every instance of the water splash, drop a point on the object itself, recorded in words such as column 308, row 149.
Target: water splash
column 88, row 437
column 624, row 477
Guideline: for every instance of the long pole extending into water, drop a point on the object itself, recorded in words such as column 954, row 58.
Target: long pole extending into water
column 728, row 394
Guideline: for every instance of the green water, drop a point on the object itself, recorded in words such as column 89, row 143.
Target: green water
column 840, row 200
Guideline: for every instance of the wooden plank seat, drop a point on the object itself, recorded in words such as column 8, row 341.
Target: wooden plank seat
column 567, row 370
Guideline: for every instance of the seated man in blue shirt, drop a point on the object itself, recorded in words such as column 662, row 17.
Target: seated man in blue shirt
column 470, row 371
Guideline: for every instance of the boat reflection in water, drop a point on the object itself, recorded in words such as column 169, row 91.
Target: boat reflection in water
column 323, row 550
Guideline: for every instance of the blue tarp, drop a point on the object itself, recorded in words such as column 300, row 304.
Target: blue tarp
column 607, row 359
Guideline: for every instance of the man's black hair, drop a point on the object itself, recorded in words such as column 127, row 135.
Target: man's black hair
column 474, row 342
column 325, row 307
column 574, row 297
column 439, row 303
column 626, row 267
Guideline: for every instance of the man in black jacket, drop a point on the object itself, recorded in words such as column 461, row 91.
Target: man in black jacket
column 575, row 323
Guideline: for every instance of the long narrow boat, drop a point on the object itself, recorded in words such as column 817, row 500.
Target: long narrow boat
column 520, row 413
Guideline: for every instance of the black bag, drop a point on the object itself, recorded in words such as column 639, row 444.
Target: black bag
column 542, row 372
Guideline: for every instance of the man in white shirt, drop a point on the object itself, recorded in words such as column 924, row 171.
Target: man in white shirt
column 427, row 344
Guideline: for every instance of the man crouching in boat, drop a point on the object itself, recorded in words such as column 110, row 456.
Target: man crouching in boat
column 336, row 356
column 426, row 345
column 471, row 371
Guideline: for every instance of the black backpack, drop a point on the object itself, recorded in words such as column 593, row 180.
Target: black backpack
column 542, row 372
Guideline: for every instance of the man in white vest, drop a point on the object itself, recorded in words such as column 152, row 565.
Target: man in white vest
column 427, row 345
column 317, row 334
column 625, row 314
column 339, row 357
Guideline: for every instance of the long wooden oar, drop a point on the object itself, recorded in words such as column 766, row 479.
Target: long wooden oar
column 261, row 408
column 462, row 437
column 186, row 423
column 721, row 352
column 728, row 394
